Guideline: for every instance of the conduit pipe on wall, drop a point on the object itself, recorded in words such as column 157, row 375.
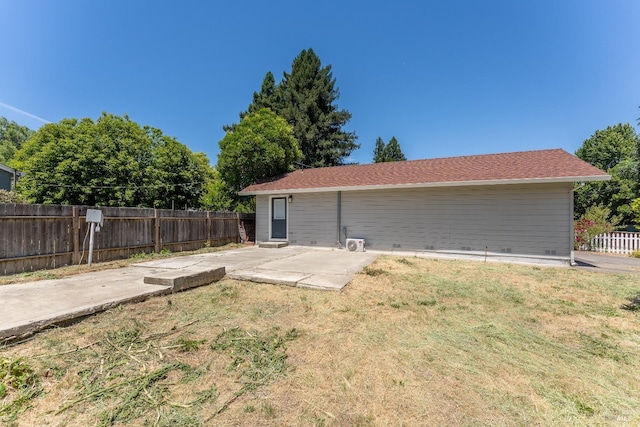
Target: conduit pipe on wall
column 339, row 221
column 572, row 233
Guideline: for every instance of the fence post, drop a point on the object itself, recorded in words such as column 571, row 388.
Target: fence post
column 75, row 234
column 237, row 227
column 209, row 227
column 158, row 246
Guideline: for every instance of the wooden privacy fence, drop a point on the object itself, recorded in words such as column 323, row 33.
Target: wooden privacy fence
column 618, row 242
column 34, row 237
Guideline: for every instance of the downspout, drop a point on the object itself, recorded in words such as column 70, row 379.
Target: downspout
column 339, row 219
column 572, row 233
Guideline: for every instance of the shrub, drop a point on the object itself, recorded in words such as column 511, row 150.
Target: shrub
column 635, row 208
column 595, row 221
column 10, row 197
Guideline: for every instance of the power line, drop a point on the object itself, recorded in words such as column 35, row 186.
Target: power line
column 118, row 187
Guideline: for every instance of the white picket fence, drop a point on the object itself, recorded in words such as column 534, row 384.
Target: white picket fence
column 618, row 242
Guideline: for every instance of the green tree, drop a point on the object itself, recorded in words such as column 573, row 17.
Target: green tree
column 606, row 148
column 216, row 195
column 110, row 162
column 180, row 174
column 270, row 97
column 615, row 150
column 306, row 98
column 12, row 136
column 635, row 208
column 261, row 145
column 390, row 152
column 378, row 151
column 309, row 96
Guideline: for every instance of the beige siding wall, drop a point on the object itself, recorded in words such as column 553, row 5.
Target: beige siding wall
column 517, row 219
column 312, row 219
column 262, row 218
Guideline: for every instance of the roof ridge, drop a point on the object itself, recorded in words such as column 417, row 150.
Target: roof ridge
column 547, row 165
column 436, row 158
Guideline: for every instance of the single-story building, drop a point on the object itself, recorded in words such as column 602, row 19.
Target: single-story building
column 507, row 205
column 8, row 177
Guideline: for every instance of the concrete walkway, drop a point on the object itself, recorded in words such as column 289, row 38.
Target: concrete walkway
column 606, row 263
column 29, row 307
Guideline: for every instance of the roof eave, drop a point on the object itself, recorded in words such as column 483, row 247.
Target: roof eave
column 431, row 185
column 8, row 169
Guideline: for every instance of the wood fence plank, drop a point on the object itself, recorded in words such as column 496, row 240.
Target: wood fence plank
column 40, row 236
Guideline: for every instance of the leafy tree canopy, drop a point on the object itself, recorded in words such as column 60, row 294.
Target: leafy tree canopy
column 12, row 136
column 306, row 98
column 110, row 162
column 216, row 195
column 606, row 148
column 614, row 150
column 390, row 152
column 260, row 146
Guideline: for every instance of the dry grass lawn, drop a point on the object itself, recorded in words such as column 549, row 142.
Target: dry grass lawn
column 409, row 342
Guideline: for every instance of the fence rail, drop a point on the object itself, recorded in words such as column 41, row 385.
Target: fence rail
column 618, row 242
column 34, row 237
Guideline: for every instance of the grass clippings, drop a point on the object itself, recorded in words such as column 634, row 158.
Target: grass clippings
column 418, row 342
column 18, row 385
column 633, row 304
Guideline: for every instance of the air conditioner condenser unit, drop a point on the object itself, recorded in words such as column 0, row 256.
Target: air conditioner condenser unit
column 355, row 245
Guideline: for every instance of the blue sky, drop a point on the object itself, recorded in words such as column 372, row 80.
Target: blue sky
column 446, row 77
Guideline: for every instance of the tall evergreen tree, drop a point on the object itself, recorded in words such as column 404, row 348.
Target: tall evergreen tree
column 378, row 151
column 390, row 152
column 306, row 98
column 269, row 97
column 309, row 96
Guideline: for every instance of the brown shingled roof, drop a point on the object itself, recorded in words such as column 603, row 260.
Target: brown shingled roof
column 528, row 166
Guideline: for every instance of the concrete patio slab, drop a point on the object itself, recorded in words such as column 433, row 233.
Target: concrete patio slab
column 325, row 261
column 268, row 276
column 232, row 260
column 30, row 307
column 330, row 282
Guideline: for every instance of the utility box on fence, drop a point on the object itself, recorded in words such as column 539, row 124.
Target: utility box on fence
column 96, row 219
column 95, row 216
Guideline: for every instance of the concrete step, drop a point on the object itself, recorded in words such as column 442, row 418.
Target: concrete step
column 179, row 280
column 272, row 245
